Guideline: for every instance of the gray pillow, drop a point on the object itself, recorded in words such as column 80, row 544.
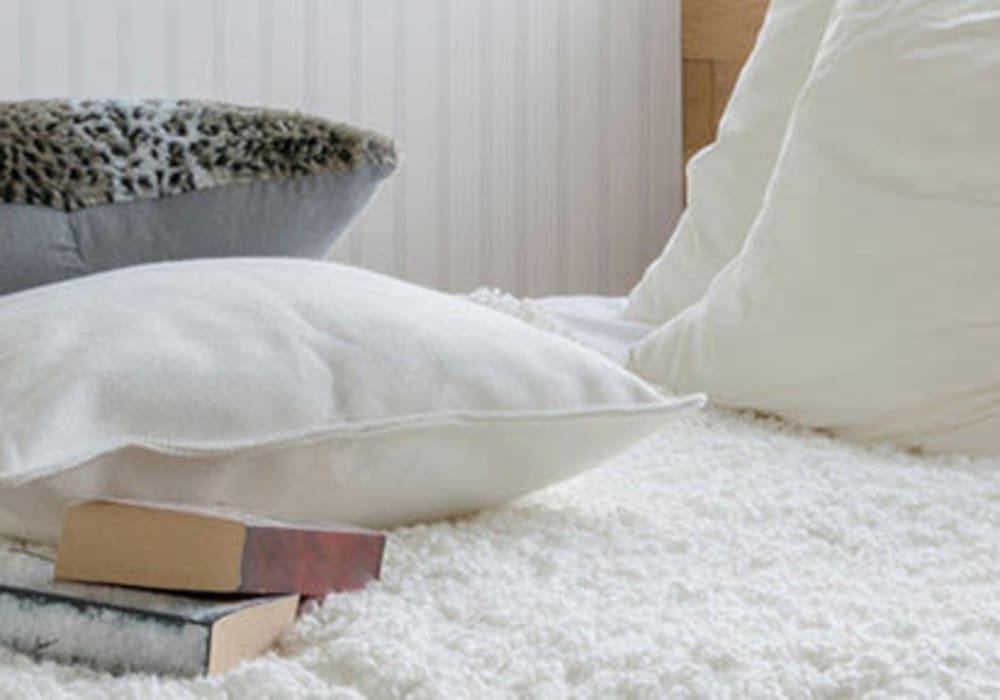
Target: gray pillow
column 92, row 185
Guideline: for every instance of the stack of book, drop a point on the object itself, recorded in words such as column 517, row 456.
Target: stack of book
column 159, row 589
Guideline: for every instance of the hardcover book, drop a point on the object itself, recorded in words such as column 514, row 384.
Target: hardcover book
column 174, row 548
column 128, row 630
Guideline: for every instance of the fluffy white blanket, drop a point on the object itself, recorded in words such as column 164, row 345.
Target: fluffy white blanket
column 729, row 556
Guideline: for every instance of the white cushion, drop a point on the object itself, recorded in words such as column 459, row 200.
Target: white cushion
column 306, row 390
column 726, row 180
column 866, row 298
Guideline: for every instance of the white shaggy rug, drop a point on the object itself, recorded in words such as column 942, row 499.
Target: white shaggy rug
column 726, row 557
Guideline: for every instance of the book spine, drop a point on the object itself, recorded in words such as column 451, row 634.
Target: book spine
column 109, row 638
column 278, row 560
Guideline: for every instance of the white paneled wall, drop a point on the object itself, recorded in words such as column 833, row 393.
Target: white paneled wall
column 541, row 137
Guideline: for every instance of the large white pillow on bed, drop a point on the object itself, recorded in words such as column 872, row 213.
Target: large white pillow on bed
column 726, row 180
column 307, row 390
column 867, row 298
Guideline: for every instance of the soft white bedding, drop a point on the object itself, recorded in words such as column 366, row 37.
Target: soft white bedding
column 596, row 322
column 215, row 380
column 864, row 297
column 728, row 556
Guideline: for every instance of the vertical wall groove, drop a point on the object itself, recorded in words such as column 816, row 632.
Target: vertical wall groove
column 220, row 63
column 310, row 55
column 444, row 97
column 562, row 145
column 399, row 222
column 523, row 142
column 74, row 47
column 644, row 127
column 486, row 221
column 26, row 63
column 604, row 231
column 265, row 51
column 356, row 107
column 171, row 46
column 123, row 36
column 540, row 138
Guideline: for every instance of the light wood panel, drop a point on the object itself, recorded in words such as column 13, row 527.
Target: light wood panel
column 717, row 37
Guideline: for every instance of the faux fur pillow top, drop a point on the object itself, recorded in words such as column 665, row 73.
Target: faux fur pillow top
column 97, row 184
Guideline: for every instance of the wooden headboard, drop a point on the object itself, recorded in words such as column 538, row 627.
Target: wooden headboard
column 717, row 36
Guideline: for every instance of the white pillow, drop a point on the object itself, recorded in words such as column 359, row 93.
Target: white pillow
column 726, row 180
column 306, row 390
column 867, row 298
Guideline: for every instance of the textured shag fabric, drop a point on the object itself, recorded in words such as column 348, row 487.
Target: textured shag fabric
column 726, row 557
column 73, row 154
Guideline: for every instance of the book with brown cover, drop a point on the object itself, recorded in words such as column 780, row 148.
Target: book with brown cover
column 192, row 549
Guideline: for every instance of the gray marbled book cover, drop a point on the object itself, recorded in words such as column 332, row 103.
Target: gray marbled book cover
column 108, row 627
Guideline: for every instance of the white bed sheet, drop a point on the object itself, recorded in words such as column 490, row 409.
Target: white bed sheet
column 596, row 321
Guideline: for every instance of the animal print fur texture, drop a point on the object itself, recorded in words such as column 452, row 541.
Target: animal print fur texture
column 74, row 154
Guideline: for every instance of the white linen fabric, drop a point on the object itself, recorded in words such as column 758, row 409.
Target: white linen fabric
column 726, row 180
column 596, row 322
column 865, row 299
column 300, row 389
